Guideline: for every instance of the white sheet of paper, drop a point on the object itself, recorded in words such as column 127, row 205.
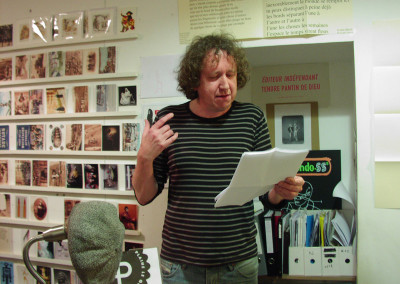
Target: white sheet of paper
column 387, row 137
column 158, row 77
column 257, row 172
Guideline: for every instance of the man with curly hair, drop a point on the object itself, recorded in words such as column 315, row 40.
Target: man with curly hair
column 197, row 146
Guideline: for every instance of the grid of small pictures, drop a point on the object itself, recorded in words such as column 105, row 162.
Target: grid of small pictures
column 67, row 26
column 87, row 98
column 61, row 136
column 65, row 174
column 93, row 61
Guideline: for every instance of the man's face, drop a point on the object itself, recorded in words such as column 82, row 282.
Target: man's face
column 218, row 84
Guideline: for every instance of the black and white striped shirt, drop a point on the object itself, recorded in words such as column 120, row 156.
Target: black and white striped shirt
column 199, row 165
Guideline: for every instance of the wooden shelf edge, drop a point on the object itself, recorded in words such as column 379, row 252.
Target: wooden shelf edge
column 67, row 42
column 64, row 79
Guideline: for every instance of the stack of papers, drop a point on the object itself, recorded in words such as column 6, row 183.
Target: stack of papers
column 342, row 230
column 257, row 173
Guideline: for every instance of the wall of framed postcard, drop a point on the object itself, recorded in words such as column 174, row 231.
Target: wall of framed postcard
column 69, row 127
column 72, row 107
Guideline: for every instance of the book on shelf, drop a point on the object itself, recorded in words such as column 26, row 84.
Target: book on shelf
column 39, row 173
column 109, row 173
column 39, row 208
column 57, row 173
column 110, row 137
column 55, row 135
column 130, row 136
column 74, row 136
column 23, row 172
column 21, row 102
column 91, row 173
column 74, row 175
column 36, row 105
column 4, row 172
column 5, row 102
column 106, row 99
column 4, row 137
column 93, row 139
column 55, row 100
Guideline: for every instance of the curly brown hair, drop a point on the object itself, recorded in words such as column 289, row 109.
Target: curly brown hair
column 191, row 65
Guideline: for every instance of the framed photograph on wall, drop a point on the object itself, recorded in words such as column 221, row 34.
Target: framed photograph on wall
column 6, row 69
column 293, row 125
column 41, row 29
column 67, row 26
column 101, row 22
column 6, row 35
column 22, row 32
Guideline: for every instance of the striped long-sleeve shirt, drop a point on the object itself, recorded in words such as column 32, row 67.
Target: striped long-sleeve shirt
column 199, row 165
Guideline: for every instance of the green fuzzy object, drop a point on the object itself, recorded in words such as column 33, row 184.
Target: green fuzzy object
column 95, row 239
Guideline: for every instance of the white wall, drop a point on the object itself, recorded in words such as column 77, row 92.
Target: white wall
column 378, row 230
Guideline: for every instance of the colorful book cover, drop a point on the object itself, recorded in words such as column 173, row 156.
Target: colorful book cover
column 57, row 173
column 4, row 137
column 111, row 138
column 74, row 176
column 38, row 65
column 36, row 101
column 91, row 176
column 56, row 64
column 7, row 272
column 45, row 249
column 92, row 137
column 110, row 176
column 39, row 207
column 5, row 205
column 68, row 206
column 129, row 169
column 39, row 173
column 106, row 98
column 23, row 137
column 37, row 137
column 127, row 96
column 21, row 67
column 130, row 136
column 4, row 172
column 73, row 137
column 45, row 273
column 21, row 102
column 55, row 99
column 23, row 173
column 5, row 69
column 81, row 98
column 321, row 171
column 7, row 35
column 21, row 203
column 61, row 250
column 128, row 215
column 5, row 103
column 107, row 60
column 73, row 63
column 56, row 137
column 91, row 61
